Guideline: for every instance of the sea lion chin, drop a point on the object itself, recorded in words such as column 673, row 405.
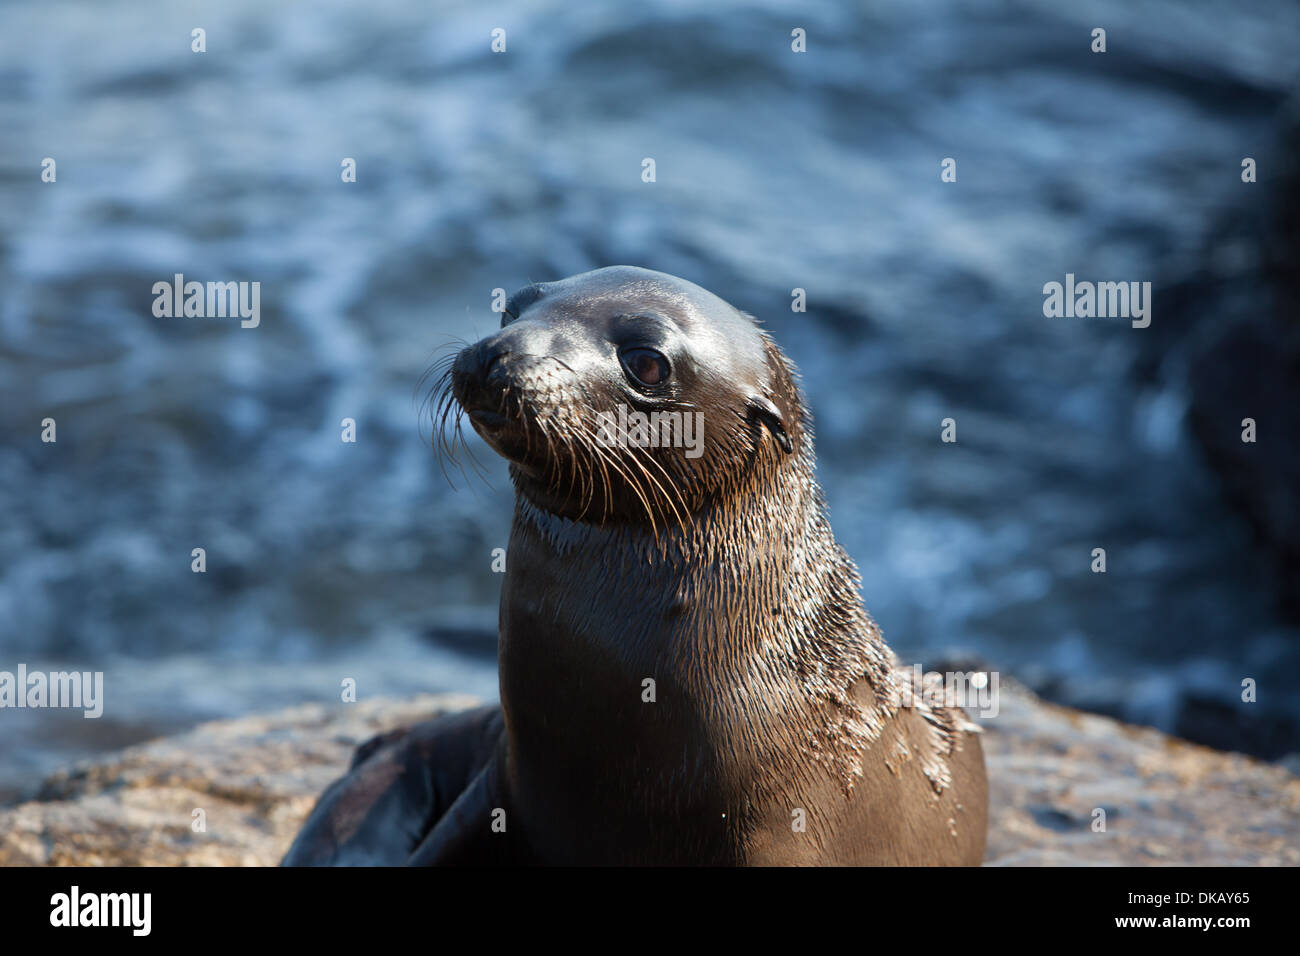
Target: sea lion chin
column 687, row 673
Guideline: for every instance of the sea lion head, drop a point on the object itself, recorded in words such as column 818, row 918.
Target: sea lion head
column 625, row 394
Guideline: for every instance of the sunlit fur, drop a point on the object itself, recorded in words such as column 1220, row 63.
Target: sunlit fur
column 720, row 579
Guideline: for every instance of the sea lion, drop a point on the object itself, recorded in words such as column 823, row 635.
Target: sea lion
column 688, row 675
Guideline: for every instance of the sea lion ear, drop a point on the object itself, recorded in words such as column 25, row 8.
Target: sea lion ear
column 770, row 415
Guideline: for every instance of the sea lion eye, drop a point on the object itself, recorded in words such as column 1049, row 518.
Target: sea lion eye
column 645, row 366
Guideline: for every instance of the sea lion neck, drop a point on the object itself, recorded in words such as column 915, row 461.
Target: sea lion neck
column 733, row 585
column 702, row 648
column 668, row 578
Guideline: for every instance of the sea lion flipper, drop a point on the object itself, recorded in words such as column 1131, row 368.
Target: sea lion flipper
column 398, row 787
column 461, row 836
column 365, row 750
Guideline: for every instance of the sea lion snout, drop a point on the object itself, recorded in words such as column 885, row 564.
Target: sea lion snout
column 478, row 377
column 516, row 392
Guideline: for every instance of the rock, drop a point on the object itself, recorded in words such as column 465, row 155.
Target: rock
column 1166, row 801
column 255, row 778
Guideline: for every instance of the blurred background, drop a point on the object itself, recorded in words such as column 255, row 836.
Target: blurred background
column 775, row 170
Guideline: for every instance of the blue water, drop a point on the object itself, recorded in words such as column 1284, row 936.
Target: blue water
column 775, row 170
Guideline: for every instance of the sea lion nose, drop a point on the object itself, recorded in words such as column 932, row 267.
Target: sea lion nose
column 477, row 376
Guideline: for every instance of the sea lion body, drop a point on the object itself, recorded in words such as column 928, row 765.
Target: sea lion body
column 688, row 675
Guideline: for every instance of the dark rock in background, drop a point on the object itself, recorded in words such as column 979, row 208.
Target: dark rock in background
column 1233, row 342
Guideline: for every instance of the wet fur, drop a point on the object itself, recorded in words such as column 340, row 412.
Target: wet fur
column 719, row 578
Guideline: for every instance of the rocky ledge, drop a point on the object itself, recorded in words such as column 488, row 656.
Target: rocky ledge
column 1050, row 769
